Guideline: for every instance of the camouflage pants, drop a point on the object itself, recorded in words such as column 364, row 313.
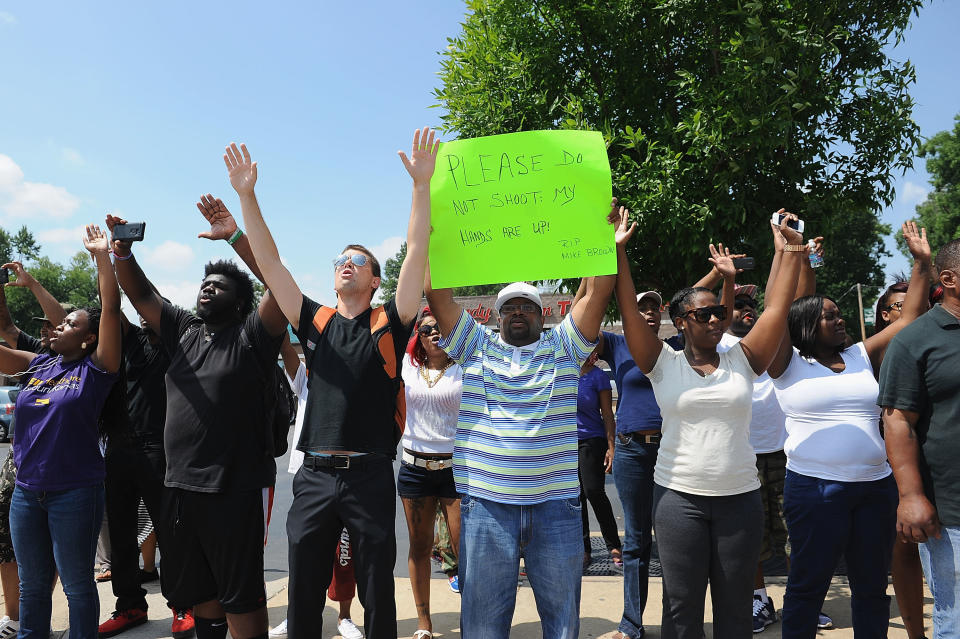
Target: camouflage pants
column 442, row 546
column 772, row 468
column 8, row 479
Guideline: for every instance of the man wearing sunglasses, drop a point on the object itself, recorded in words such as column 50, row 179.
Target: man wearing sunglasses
column 348, row 438
column 515, row 451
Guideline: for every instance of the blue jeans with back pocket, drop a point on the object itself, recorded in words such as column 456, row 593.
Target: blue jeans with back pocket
column 493, row 538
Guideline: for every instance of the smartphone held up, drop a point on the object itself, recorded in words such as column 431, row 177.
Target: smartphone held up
column 777, row 219
column 129, row 232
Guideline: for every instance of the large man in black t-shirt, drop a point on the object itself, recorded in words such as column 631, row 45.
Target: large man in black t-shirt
column 349, row 437
column 216, row 439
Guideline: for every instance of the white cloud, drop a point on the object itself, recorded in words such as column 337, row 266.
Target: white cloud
column 63, row 236
column 181, row 292
column 7, row 18
column 19, row 198
column 170, row 255
column 386, row 249
column 913, row 193
column 71, row 156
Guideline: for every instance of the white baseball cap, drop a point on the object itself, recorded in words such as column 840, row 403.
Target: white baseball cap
column 652, row 294
column 518, row 289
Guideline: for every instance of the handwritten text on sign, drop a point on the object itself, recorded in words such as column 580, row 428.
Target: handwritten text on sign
column 521, row 206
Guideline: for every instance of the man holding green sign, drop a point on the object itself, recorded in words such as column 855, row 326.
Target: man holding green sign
column 515, row 451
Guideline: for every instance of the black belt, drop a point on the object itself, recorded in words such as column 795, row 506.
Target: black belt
column 626, row 438
column 338, row 462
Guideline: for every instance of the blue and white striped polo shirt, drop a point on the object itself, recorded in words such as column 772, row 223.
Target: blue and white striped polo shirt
column 516, row 439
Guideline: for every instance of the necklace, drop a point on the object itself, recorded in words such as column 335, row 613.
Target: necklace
column 431, row 382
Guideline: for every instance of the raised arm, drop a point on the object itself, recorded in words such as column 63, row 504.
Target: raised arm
column 48, row 304
column 243, row 178
column 764, row 340
column 8, row 330
column 643, row 343
column 588, row 311
column 420, row 165
column 108, row 352
column 442, row 305
column 224, row 227
column 141, row 293
column 916, row 516
column 916, row 301
column 291, row 361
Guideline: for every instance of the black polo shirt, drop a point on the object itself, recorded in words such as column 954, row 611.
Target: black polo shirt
column 921, row 374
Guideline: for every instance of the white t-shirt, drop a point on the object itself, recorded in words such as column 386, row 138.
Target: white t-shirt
column 299, row 386
column 767, row 429
column 832, row 418
column 705, row 449
column 432, row 413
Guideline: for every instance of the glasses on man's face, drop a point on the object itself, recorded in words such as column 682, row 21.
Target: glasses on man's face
column 428, row 329
column 358, row 259
column 506, row 309
column 895, row 305
column 742, row 304
column 704, row 313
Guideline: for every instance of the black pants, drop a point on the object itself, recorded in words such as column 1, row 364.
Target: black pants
column 133, row 472
column 592, row 489
column 362, row 500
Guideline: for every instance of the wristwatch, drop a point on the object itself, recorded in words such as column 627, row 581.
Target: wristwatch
column 794, row 248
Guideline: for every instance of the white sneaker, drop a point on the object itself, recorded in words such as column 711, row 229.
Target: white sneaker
column 280, row 632
column 348, row 629
column 8, row 628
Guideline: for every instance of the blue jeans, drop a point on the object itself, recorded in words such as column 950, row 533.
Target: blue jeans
column 53, row 532
column 633, row 476
column 828, row 519
column 493, row 538
column 941, row 565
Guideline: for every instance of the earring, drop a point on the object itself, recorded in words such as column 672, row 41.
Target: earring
column 83, row 345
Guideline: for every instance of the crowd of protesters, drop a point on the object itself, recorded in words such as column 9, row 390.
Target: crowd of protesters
column 746, row 433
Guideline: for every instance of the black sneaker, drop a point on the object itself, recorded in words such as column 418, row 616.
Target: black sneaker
column 764, row 614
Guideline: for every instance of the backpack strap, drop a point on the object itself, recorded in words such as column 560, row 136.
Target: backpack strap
column 322, row 317
column 383, row 338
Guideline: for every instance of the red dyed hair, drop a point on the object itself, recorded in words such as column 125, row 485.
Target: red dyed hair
column 418, row 355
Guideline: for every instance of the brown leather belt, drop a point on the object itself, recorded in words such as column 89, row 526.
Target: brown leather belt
column 626, row 438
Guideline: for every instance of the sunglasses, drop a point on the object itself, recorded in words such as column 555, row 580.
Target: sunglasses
column 704, row 313
column 428, row 329
column 742, row 304
column 895, row 305
column 506, row 309
column 358, row 259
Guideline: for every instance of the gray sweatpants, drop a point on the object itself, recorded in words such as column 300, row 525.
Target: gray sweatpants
column 707, row 538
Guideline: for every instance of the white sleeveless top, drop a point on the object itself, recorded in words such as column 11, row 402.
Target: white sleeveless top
column 432, row 413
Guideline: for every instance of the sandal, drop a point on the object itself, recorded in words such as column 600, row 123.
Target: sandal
column 104, row 575
column 617, row 556
column 422, row 634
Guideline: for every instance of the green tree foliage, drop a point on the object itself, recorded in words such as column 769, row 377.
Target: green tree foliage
column 75, row 283
column 715, row 112
column 940, row 212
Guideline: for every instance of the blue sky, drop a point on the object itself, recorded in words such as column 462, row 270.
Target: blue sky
column 126, row 107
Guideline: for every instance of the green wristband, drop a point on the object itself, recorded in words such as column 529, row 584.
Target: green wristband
column 236, row 236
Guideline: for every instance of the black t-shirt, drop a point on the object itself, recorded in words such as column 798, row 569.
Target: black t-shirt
column 30, row 344
column 217, row 433
column 145, row 366
column 919, row 374
column 351, row 399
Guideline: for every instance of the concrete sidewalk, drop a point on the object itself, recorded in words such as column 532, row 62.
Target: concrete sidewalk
column 601, row 606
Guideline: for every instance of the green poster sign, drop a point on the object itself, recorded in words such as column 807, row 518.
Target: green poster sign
column 521, row 206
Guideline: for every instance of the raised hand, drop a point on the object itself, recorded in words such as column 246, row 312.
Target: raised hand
column 789, row 235
column 95, row 240
column 817, row 246
column 222, row 224
column 916, row 240
column 423, row 156
column 722, row 261
column 619, row 216
column 243, row 172
column 23, row 278
column 778, row 240
column 120, row 247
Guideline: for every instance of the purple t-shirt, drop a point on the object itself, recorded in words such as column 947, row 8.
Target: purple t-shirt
column 589, row 420
column 57, row 445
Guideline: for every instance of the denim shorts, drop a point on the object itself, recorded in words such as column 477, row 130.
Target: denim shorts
column 414, row 482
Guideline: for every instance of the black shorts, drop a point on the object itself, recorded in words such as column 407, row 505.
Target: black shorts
column 414, row 482
column 8, row 479
column 215, row 550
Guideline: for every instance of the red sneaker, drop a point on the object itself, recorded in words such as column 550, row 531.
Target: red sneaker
column 122, row 620
column 182, row 626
